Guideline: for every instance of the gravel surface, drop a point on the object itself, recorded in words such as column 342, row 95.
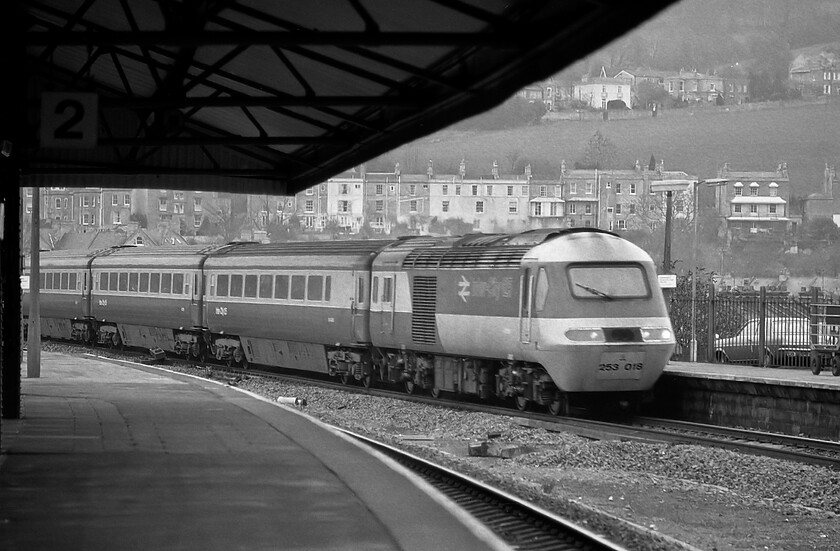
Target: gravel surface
column 646, row 496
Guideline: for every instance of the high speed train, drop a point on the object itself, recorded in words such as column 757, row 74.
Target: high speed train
column 546, row 318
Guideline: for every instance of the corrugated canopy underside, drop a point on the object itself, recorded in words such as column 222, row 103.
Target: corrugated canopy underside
column 273, row 96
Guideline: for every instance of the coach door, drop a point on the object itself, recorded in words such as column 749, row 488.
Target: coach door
column 360, row 308
column 383, row 293
column 526, row 285
column 196, row 298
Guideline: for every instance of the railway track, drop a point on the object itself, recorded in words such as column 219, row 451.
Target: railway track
column 646, row 429
column 520, row 524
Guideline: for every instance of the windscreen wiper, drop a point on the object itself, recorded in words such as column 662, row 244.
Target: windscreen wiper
column 594, row 291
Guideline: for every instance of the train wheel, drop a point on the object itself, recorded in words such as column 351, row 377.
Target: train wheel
column 522, row 403
column 229, row 361
column 243, row 363
column 560, row 406
column 835, row 366
column 436, row 393
column 410, row 387
column 345, row 378
column 367, row 380
column 116, row 342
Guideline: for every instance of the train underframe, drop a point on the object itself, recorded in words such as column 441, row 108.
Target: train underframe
column 523, row 384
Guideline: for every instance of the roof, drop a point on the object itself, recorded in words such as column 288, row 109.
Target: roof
column 272, row 96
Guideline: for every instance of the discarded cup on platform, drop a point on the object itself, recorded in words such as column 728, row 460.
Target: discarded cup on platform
column 291, row 400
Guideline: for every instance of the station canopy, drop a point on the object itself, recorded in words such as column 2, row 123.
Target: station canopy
column 273, row 96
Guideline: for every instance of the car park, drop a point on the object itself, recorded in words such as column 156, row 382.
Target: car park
column 787, row 341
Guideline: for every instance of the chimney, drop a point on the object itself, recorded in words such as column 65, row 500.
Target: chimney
column 661, row 167
column 430, row 171
column 462, row 168
column 528, row 171
column 397, row 169
column 495, row 169
column 563, row 166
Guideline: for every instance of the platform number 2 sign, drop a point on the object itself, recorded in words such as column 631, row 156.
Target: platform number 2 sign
column 68, row 119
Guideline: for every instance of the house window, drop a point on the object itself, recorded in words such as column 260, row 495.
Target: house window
column 513, row 207
column 178, row 208
column 114, row 200
column 412, row 189
column 609, row 184
column 197, row 204
column 489, row 190
column 309, row 205
column 344, row 189
column 737, row 208
column 58, row 202
column 510, row 191
column 126, row 200
column 524, row 191
column 572, row 208
column 632, row 208
column 445, row 189
column 412, row 206
column 617, row 188
column 573, row 188
column 537, row 209
column 739, row 191
column 115, row 218
column 178, row 195
column 622, row 224
column 310, row 191
column 774, row 192
column 753, row 209
column 553, row 209
column 380, row 205
column 445, row 206
column 618, row 208
column 457, row 190
column 589, row 188
column 772, row 209
column 632, row 189
column 543, row 191
column 380, row 189
column 474, row 190
column 197, row 220
column 344, row 206
column 479, row 207
column 754, row 191
column 162, row 205
column 588, row 208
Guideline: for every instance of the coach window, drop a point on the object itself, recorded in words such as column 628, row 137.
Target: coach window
column 123, row 281
column 315, row 288
column 154, row 283
column 177, row 284
column 166, row 283
column 251, row 286
column 65, row 280
column 265, row 286
column 222, row 285
column 298, row 287
column 144, row 282
column 73, row 281
column 236, row 285
column 374, row 292
column 132, row 281
column 541, row 290
column 43, row 280
column 281, row 286
column 327, row 288
column 114, row 281
column 387, row 289
column 46, row 280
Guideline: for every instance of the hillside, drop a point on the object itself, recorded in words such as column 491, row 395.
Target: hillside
column 805, row 136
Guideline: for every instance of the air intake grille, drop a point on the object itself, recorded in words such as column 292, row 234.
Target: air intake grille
column 423, row 302
column 444, row 257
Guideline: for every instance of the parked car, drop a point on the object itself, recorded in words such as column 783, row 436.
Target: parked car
column 786, row 341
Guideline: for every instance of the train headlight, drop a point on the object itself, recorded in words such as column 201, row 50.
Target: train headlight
column 586, row 335
column 656, row 334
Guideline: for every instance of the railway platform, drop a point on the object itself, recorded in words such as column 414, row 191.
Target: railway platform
column 790, row 400
column 109, row 456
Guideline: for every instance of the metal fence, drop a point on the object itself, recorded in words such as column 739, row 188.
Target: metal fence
column 764, row 327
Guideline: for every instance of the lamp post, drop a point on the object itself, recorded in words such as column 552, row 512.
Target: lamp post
column 670, row 186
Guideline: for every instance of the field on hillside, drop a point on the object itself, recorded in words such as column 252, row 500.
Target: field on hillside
column 803, row 136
